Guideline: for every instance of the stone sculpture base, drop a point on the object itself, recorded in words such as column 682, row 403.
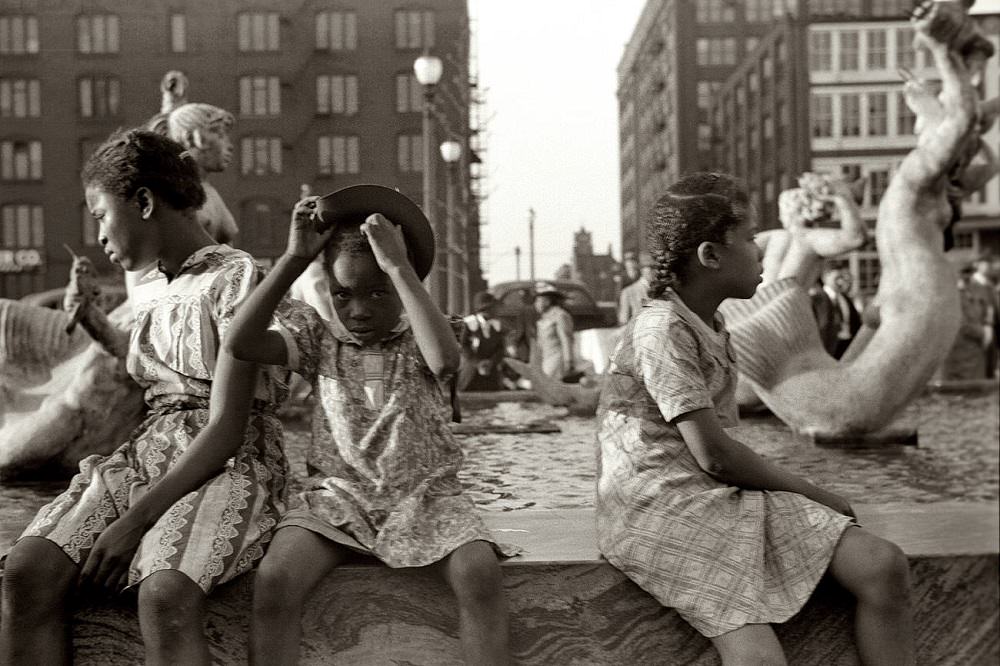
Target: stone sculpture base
column 568, row 606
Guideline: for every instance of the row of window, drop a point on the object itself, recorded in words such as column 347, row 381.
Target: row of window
column 100, row 96
column 840, row 115
column 724, row 11
column 870, row 49
column 256, row 32
column 21, row 160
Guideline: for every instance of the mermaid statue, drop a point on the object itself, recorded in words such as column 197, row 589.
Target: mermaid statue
column 909, row 328
column 64, row 390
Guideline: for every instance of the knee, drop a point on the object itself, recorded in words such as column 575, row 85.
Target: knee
column 475, row 577
column 276, row 592
column 170, row 603
column 887, row 578
column 37, row 578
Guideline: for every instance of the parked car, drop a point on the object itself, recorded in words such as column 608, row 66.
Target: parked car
column 580, row 304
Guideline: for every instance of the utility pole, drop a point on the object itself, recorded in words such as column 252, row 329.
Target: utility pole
column 531, row 243
column 517, row 261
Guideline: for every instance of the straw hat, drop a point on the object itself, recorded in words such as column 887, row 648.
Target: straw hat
column 352, row 205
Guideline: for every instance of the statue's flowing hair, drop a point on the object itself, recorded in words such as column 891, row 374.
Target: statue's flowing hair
column 700, row 207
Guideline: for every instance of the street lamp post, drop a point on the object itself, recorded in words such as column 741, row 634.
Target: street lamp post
column 428, row 70
column 451, row 151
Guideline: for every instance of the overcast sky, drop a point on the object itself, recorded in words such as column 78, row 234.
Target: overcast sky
column 548, row 69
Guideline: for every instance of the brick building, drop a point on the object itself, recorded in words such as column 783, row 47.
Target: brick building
column 323, row 94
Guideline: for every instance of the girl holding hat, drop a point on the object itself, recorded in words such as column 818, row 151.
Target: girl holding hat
column 384, row 463
column 555, row 331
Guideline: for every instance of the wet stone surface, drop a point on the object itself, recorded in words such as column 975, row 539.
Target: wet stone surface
column 957, row 459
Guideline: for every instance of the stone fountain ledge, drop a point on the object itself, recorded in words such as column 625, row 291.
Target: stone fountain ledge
column 568, row 606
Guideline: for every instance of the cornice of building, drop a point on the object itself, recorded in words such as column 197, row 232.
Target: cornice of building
column 646, row 20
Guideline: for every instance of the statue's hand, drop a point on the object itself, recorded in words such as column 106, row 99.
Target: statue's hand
column 81, row 292
column 871, row 316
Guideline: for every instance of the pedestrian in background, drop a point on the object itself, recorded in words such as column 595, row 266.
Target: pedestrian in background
column 482, row 347
column 837, row 318
column 555, row 332
column 634, row 296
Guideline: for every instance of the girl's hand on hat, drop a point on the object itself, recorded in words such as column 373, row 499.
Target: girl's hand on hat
column 307, row 235
column 387, row 242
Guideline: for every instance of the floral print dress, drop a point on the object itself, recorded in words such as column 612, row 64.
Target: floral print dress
column 217, row 532
column 722, row 556
column 383, row 464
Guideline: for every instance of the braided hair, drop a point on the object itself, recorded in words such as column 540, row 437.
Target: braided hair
column 700, row 207
column 138, row 158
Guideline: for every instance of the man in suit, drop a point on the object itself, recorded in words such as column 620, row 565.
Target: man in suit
column 836, row 316
column 634, row 296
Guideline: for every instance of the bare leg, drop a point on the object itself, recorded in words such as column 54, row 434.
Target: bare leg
column 172, row 619
column 750, row 645
column 473, row 573
column 876, row 572
column 281, row 588
column 37, row 580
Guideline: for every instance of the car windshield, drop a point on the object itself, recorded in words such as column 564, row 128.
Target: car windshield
column 576, row 298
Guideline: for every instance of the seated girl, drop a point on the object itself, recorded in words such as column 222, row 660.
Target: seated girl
column 384, row 465
column 189, row 501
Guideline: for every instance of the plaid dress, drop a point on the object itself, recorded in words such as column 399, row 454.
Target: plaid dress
column 217, row 532
column 722, row 556
column 383, row 464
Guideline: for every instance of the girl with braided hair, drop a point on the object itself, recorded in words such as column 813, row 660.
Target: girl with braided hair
column 694, row 517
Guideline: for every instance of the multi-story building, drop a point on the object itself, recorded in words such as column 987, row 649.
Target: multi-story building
column 760, row 118
column 679, row 55
column 600, row 272
column 323, row 94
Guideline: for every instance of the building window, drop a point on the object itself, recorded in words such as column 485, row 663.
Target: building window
column 704, row 137
column 849, row 50
column 822, row 115
column 97, row 33
column 878, row 114
column 414, row 29
column 714, row 11
column 876, row 49
column 409, row 94
column 878, row 182
column 835, row 8
column 410, row 152
column 23, row 226
column 20, row 160
column 906, row 120
column 178, row 33
column 337, row 93
column 716, row 51
column 99, row 96
column 751, row 44
column 18, row 35
column 260, row 155
column 768, row 125
column 706, row 91
column 820, row 52
column 258, row 31
column 336, row 31
column 338, row 155
column 20, row 98
column 906, row 55
column 892, row 8
column 260, row 96
column 850, row 115
column 758, row 11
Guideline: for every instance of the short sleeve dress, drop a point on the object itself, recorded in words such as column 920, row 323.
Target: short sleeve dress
column 218, row 531
column 383, row 464
column 722, row 556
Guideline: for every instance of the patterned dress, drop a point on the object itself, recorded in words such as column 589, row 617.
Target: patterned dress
column 383, row 464
column 218, row 531
column 722, row 556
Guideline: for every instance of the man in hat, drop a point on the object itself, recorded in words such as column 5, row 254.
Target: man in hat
column 482, row 347
column 634, row 296
column 837, row 318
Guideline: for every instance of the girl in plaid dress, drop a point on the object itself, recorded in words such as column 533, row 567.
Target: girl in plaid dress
column 189, row 501
column 383, row 464
column 694, row 517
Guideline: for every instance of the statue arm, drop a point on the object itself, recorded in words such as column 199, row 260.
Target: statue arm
column 853, row 231
column 97, row 324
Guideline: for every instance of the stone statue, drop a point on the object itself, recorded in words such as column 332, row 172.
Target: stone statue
column 65, row 392
column 915, row 314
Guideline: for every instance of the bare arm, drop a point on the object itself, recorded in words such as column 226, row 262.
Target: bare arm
column 732, row 462
column 431, row 330
column 232, row 394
